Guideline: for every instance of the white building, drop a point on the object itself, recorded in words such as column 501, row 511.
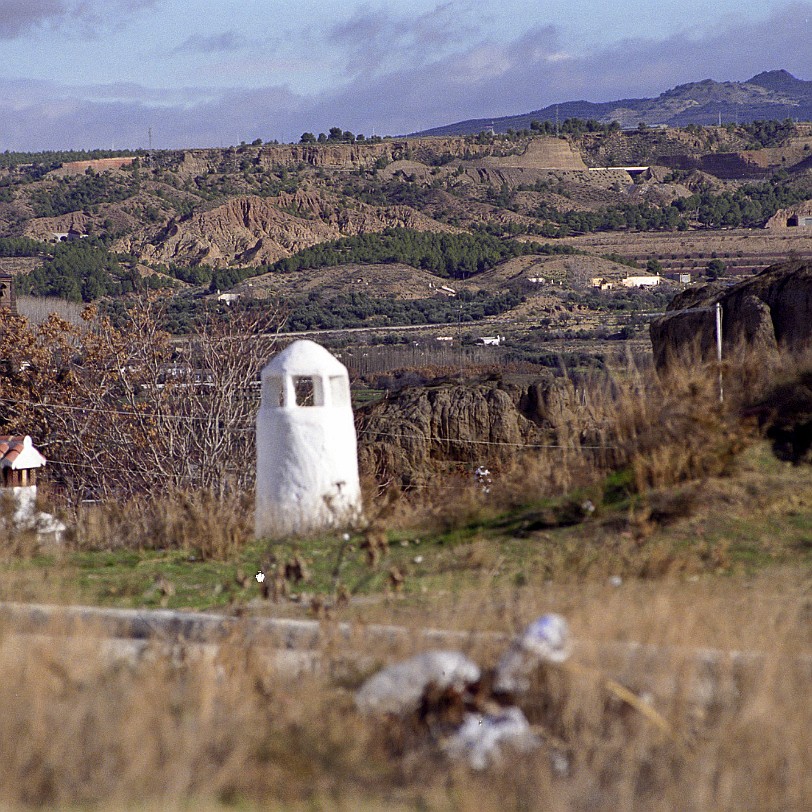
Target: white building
column 19, row 463
column 640, row 281
column 307, row 451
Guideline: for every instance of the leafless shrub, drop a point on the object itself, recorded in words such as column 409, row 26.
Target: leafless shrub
column 121, row 411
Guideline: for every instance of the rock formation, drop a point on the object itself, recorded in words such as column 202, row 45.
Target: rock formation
column 411, row 435
column 767, row 312
column 252, row 230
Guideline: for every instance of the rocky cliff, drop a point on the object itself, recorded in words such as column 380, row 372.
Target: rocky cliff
column 766, row 312
column 253, row 230
column 421, row 430
column 360, row 155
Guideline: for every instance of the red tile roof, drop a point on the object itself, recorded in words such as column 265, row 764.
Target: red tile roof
column 11, row 446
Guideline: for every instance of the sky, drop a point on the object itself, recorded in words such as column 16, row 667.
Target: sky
column 87, row 74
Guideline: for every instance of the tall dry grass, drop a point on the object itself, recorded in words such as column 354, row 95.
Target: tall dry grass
column 200, row 521
column 177, row 730
column 658, row 431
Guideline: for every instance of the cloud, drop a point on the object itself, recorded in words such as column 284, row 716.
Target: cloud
column 226, row 42
column 535, row 70
column 19, row 17
column 486, row 79
column 377, row 39
column 36, row 115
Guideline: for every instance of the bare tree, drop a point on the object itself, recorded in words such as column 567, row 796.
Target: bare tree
column 128, row 409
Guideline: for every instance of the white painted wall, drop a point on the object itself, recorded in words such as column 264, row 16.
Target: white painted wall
column 18, row 508
column 307, row 455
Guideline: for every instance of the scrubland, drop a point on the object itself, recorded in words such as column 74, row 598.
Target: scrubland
column 678, row 522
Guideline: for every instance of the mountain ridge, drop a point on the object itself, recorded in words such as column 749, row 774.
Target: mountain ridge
column 774, row 94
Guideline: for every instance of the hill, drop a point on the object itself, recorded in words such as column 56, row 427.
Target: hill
column 196, row 222
column 773, row 94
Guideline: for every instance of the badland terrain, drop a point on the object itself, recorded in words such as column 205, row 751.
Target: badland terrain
column 342, row 231
column 654, row 513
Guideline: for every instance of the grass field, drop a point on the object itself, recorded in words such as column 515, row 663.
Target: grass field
column 694, row 537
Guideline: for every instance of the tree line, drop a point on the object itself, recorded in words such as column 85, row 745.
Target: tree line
column 83, row 192
column 79, row 271
column 453, row 256
column 357, row 309
column 749, row 206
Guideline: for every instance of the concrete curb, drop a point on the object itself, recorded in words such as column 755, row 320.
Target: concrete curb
column 297, row 646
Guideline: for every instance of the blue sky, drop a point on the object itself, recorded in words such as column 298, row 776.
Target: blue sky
column 102, row 73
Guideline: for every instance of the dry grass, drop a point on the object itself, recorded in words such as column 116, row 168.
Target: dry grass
column 199, row 522
column 183, row 731
column 180, row 729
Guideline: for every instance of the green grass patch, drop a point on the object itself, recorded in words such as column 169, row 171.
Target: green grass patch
column 758, row 518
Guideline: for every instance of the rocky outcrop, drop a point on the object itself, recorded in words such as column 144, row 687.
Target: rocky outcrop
column 360, row 155
column 253, row 230
column 767, row 312
column 421, row 430
column 792, row 217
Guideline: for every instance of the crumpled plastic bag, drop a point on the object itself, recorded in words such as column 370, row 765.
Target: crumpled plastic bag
column 482, row 738
column 545, row 640
column 398, row 688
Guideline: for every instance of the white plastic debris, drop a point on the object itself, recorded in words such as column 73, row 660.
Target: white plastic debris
column 545, row 640
column 399, row 687
column 481, row 739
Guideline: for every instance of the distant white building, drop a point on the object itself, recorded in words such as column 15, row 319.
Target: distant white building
column 601, row 283
column 640, row 281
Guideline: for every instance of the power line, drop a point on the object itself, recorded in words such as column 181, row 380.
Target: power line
column 246, row 428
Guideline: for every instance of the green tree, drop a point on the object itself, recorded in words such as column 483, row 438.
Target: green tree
column 715, row 268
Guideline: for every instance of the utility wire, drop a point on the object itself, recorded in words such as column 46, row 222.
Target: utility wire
column 248, row 428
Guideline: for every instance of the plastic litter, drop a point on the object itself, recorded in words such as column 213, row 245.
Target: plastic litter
column 546, row 640
column 398, row 688
column 489, row 724
column 482, row 739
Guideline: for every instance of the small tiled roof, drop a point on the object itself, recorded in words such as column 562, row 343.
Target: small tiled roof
column 17, row 452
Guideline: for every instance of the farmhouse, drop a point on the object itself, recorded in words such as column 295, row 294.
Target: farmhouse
column 601, row 283
column 640, row 281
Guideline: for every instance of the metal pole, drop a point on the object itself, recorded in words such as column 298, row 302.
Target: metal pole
column 719, row 348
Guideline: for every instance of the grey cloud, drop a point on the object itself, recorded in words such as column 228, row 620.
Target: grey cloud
column 485, row 80
column 372, row 38
column 535, row 71
column 18, row 17
column 227, row 41
column 41, row 116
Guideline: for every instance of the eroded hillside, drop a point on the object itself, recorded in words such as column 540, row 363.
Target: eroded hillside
column 210, row 218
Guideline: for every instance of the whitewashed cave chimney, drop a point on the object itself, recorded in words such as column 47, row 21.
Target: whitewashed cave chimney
column 19, row 463
column 307, row 451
